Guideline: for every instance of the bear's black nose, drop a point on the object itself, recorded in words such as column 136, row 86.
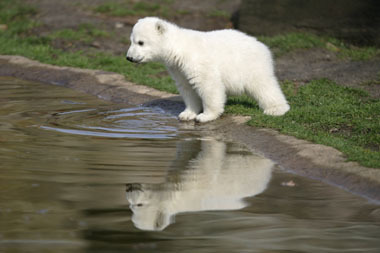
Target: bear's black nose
column 134, row 187
column 130, row 59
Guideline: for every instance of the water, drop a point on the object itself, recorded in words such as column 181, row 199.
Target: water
column 78, row 174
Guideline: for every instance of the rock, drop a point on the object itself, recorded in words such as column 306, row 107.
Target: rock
column 95, row 44
column 332, row 47
column 3, row 27
column 357, row 22
column 119, row 25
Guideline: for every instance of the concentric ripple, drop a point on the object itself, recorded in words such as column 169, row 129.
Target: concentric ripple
column 136, row 122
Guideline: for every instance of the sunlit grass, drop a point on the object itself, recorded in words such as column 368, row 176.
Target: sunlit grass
column 325, row 113
column 85, row 32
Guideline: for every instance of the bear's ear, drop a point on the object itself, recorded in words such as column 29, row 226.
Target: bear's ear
column 160, row 27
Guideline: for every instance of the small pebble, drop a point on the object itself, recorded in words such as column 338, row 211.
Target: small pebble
column 95, row 44
column 43, row 211
column 289, row 183
column 119, row 25
column 3, row 27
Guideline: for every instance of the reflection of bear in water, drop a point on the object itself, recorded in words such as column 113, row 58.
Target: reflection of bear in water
column 216, row 179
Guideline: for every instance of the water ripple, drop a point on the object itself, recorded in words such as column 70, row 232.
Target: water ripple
column 141, row 122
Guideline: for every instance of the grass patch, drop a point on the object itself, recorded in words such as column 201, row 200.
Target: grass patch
column 282, row 44
column 85, row 32
column 359, row 53
column 131, row 8
column 325, row 113
column 15, row 16
column 14, row 12
column 219, row 13
column 321, row 111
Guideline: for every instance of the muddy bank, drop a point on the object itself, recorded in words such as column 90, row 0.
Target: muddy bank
column 298, row 156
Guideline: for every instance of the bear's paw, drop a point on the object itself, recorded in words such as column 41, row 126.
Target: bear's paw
column 187, row 115
column 277, row 110
column 203, row 117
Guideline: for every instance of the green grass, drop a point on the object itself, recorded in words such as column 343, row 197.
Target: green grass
column 14, row 13
column 286, row 43
column 282, row 44
column 130, row 8
column 219, row 13
column 16, row 17
column 325, row 113
column 321, row 111
column 358, row 53
column 85, row 32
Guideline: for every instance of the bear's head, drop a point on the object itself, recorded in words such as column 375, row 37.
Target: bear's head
column 147, row 40
column 149, row 206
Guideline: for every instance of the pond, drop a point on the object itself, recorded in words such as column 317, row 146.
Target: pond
column 79, row 174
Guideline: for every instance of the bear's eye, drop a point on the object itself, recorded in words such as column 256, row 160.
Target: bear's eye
column 141, row 43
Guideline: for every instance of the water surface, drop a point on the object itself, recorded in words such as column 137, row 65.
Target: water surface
column 78, row 174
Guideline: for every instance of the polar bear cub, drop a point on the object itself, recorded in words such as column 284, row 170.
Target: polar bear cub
column 207, row 66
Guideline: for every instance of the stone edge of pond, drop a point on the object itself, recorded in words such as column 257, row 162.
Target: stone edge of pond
column 291, row 154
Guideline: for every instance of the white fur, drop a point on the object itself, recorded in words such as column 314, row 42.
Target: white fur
column 215, row 180
column 207, row 66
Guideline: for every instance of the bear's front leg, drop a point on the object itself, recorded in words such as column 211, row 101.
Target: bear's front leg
column 213, row 100
column 192, row 102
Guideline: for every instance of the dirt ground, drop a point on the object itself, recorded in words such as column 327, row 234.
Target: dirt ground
column 300, row 66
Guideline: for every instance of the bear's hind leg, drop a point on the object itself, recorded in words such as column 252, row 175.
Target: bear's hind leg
column 269, row 96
